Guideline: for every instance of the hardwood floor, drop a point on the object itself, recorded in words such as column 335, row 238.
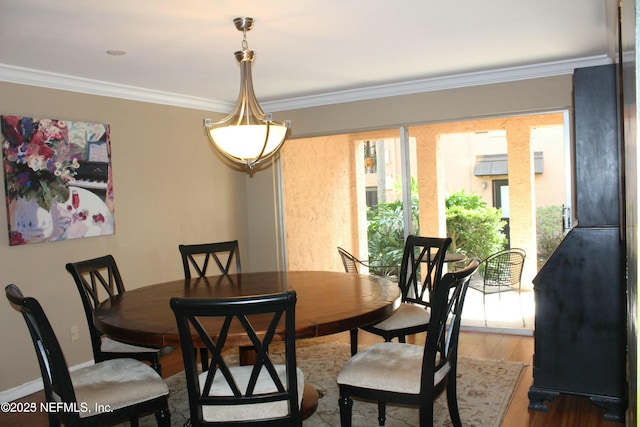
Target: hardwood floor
column 565, row 411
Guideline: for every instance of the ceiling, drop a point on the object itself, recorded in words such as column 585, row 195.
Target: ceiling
column 308, row 53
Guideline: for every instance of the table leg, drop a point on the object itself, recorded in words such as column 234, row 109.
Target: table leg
column 309, row 401
column 247, row 355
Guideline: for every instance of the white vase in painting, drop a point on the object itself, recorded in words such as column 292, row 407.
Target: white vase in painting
column 31, row 221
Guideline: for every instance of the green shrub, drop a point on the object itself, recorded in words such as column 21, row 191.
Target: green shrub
column 386, row 235
column 549, row 231
column 475, row 229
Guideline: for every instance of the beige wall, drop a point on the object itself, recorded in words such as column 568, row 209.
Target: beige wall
column 169, row 189
column 263, row 212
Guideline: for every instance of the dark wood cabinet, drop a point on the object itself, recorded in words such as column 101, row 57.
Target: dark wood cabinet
column 580, row 338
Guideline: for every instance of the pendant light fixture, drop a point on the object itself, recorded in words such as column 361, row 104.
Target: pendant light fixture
column 247, row 136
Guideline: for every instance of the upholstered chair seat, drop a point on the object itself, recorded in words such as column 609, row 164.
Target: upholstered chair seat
column 115, row 384
column 406, row 316
column 112, row 346
column 388, row 366
column 254, row 411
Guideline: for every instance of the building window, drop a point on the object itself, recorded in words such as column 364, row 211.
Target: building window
column 370, row 157
column 372, row 196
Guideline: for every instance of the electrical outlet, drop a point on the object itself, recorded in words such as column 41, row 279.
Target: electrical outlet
column 75, row 333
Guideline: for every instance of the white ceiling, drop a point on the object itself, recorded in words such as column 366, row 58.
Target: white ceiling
column 306, row 50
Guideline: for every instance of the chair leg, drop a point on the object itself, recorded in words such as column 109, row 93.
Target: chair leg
column 426, row 414
column 452, row 400
column 54, row 421
column 155, row 364
column 354, row 341
column 524, row 324
column 382, row 413
column 346, row 406
column 484, row 308
column 163, row 417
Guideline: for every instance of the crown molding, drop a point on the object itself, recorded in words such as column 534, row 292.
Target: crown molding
column 439, row 83
column 31, row 77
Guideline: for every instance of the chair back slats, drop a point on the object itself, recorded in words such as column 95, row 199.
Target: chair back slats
column 97, row 279
column 209, row 322
column 441, row 345
column 349, row 262
column 422, row 264
column 198, row 257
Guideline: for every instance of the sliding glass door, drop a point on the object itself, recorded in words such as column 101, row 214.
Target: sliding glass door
column 366, row 192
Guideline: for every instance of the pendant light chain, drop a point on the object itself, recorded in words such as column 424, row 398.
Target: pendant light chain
column 245, row 44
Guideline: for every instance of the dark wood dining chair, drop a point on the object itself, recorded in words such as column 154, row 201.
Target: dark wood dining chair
column 501, row 272
column 98, row 279
column 409, row 374
column 421, row 267
column 263, row 393
column 104, row 393
column 199, row 255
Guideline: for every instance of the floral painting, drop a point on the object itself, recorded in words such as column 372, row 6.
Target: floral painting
column 57, row 179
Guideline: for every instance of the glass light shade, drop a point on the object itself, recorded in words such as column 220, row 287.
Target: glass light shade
column 247, row 142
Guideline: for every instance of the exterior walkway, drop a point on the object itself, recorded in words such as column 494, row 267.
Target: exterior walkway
column 503, row 312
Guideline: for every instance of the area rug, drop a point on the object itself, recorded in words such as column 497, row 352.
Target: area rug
column 484, row 391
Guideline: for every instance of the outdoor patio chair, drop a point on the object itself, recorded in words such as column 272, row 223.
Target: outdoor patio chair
column 351, row 263
column 501, row 272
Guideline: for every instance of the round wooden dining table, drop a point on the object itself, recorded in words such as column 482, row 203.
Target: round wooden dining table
column 328, row 302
